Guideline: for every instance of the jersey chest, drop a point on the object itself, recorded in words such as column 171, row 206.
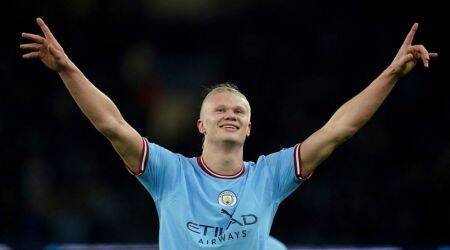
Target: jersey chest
column 218, row 211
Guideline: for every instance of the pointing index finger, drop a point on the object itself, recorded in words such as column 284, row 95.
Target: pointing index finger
column 44, row 28
column 410, row 36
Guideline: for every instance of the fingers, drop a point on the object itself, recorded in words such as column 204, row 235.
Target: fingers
column 410, row 36
column 33, row 37
column 33, row 46
column 31, row 55
column 407, row 58
column 420, row 50
column 44, row 28
column 424, row 55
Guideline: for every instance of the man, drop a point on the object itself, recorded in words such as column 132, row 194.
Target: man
column 217, row 199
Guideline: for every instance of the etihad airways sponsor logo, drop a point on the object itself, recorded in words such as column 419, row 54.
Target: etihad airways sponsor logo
column 211, row 235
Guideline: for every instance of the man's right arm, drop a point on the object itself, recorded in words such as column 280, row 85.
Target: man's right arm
column 95, row 105
column 104, row 115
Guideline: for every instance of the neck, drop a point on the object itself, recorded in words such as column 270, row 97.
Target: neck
column 223, row 159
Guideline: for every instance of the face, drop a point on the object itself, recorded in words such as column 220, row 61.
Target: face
column 225, row 117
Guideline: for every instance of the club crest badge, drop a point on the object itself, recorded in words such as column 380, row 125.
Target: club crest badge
column 227, row 198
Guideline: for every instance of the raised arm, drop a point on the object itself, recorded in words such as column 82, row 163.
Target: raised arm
column 351, row 116
column 95, row 105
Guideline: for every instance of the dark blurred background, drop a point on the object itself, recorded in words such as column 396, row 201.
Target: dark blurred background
column 297, row 62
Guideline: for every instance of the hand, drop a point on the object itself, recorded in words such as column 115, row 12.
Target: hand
column 408, row 55
column 45, row 48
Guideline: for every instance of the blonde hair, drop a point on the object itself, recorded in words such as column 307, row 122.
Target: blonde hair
column 220, row 88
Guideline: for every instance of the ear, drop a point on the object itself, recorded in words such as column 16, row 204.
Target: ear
column 201, row 126
column 249, row 129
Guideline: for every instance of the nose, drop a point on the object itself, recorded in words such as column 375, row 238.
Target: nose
column 230, row 116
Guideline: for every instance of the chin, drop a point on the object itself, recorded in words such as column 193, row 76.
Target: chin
column 232, row 141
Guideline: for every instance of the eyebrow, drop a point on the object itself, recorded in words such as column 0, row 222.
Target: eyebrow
column 233, row 107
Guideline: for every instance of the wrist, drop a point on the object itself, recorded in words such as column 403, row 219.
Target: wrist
column 391, row 73
column 67, row 68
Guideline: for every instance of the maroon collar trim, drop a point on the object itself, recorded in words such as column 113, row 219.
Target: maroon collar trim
column 209, row 171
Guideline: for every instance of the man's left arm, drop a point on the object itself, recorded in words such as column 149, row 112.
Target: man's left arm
column 351, row 116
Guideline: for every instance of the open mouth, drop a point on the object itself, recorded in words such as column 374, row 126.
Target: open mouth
column 229, row 127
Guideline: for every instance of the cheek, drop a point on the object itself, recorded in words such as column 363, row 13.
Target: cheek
column 209, row 124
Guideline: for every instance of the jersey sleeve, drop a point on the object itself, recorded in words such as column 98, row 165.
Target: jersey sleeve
column 159, row 169
column 285, row 166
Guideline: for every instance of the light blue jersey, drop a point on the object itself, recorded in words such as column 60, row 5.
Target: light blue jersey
column 198, row 208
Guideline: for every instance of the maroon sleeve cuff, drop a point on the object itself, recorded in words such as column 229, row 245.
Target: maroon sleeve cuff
column 142, row 161
column 298, row 164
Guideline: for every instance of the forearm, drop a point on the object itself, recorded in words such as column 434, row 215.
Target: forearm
column 351, row 116
column 95, row 105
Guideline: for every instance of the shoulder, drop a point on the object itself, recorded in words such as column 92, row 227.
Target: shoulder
column 163, row 151
column 164, row 157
